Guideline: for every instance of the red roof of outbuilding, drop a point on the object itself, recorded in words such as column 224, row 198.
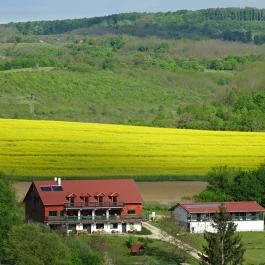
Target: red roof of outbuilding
column 213, row 207
column 126, row 188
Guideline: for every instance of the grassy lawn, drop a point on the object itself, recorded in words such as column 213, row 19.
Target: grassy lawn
column 156, row 252
column 255, row 247
column 253, row 241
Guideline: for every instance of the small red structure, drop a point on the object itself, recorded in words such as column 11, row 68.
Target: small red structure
column 137, row 249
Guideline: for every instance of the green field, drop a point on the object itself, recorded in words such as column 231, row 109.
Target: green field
column 254, row 243
column 45, row 148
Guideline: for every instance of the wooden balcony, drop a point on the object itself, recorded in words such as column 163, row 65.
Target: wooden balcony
column 92, row 219
column 93, row 205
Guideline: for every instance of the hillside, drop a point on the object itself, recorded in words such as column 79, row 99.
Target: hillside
column 236, row 24
column 46, row 148
column 151, row 69
column 209, row 84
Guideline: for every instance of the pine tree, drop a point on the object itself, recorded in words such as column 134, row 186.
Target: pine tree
column 223, row 247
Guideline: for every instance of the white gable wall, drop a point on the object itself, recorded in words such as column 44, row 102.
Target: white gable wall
column 180, row 214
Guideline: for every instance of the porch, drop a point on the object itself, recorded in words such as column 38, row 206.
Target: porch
column 92, row 219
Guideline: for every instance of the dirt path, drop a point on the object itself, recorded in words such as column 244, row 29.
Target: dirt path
column 161, row 235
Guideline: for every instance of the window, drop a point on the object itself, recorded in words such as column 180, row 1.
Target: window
column 198, row 217
column 113, row 226
column 61, row 213
column 99, row 226
column 72, row 200
column 131, row 211
column 52, row 213
column 243, row 216
column 114, row 199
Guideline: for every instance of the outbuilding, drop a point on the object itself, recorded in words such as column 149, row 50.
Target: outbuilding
column 197, row 217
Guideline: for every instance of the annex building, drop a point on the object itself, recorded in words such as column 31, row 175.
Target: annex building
column 197, row 216
column 86, row 205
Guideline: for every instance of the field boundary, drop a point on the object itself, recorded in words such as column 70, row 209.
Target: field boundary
column 160, row 178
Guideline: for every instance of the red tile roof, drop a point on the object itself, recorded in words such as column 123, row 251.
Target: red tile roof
column 126, row 188
column 213, row 207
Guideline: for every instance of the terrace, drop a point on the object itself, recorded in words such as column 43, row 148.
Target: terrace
column 91, row 219
column 206, row 217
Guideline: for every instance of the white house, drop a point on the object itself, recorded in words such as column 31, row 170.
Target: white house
column 197, row 216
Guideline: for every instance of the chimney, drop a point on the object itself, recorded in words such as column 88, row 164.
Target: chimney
column 59, row 182
column 55, row 179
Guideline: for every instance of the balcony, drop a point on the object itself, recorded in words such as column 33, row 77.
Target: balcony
column 93, row 205
column 234, row 217
column 93, row 219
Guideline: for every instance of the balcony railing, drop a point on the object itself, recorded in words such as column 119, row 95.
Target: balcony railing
column 91, row 205
column 233, row 218
column 84, row 219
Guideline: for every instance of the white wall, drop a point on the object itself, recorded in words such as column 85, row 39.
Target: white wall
column 242, row 226
column 108, row 228
column 200, row 227
column 133, row 227
column 93, row 228
column 250, row 225
column 79, row 227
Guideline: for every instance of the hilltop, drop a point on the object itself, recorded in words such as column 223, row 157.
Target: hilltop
column 236, row 24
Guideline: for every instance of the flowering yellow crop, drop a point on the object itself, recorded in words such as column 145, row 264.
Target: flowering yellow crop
column 50, row 148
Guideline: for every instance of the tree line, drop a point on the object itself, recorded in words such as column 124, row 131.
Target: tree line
column 234, row 184
column 245, row 14
column 233, row 24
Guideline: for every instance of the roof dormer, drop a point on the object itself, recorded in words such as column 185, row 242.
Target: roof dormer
column 85, row 196
column 114, row 196
column 99, row 196
column 71, row 197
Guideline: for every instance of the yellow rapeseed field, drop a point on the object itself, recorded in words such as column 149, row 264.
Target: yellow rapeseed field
column 50, row 148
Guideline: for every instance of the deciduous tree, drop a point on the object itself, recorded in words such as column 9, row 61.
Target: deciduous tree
column 9, row 213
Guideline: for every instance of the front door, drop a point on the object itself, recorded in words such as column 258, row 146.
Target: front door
column 88, row 228
column 123, row 228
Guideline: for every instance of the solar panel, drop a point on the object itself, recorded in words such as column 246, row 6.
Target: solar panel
column 57, row 188
column 46, row 188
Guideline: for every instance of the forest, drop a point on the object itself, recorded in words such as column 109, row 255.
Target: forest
column 233, row 24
